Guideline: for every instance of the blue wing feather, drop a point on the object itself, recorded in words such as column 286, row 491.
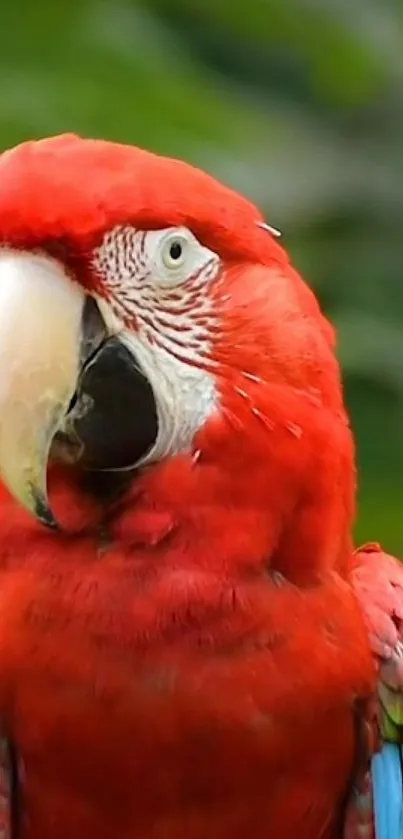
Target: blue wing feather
column 387, row 792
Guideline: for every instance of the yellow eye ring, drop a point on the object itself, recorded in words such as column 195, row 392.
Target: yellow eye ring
column 173, row 253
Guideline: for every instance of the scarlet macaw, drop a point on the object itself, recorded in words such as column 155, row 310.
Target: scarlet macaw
column 182, row 650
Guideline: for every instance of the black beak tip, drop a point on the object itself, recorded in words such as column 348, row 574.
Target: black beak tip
column 43, row 512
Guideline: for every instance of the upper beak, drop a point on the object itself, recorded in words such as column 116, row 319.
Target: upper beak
column 54, row 345
column 41, row 313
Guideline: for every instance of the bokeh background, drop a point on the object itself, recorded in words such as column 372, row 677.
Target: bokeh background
column 298, row 103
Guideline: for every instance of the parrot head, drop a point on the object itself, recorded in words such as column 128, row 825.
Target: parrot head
column 147, row 313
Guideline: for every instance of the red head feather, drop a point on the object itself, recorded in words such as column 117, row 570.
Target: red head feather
column 270, row 350
column 70, row 190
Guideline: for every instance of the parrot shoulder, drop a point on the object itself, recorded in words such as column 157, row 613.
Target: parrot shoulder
column 378, row 582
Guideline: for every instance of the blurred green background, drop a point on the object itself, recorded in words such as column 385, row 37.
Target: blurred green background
column 299, row 104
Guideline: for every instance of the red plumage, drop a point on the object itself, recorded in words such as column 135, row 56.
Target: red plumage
column 188, row 661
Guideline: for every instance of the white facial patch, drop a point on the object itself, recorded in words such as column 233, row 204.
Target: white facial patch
column 160, row 281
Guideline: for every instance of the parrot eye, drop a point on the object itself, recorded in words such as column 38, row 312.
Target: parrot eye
column 176, row 255
column 173, row 252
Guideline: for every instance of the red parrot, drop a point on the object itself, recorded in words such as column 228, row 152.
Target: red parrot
column 182, row 650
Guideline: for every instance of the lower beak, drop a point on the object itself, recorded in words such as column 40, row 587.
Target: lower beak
column 54, row 350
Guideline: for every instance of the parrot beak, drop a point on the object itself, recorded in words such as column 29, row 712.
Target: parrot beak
column 62, row 378
column 40, row 320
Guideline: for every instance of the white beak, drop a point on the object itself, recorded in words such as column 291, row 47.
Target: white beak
column 40, row 329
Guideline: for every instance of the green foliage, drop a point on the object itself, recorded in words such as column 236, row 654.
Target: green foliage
column 298, row 103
